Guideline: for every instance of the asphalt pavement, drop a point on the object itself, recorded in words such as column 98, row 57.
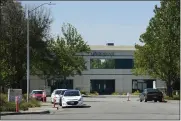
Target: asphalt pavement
column 110, row 108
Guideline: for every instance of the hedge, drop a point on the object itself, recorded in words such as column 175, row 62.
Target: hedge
column 84, row 92
column 11, row 106
column 115, row 93
column 175, row 97
column 94, row 93
column 136, row 93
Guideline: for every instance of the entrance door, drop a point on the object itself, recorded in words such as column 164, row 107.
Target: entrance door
column 103, row 86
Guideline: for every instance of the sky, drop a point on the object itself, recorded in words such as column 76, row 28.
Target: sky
column 100, row 22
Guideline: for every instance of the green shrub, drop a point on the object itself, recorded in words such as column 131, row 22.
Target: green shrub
column 84, row 92
column 123, row 93
column 175, row 97
column 24, row 106
column 3, row 98
column 115, row 93
column 11, row 106
column 35, row 103
column 94, row 93
column 136, row 92
column 24, row 97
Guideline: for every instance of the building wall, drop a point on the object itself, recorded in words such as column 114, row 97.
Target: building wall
column 36, row 83
column 123, row 83
column 123, row 77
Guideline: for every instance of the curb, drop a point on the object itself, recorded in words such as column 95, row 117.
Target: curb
column 25, row 113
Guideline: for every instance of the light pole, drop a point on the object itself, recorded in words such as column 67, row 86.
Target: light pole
column 28, row 47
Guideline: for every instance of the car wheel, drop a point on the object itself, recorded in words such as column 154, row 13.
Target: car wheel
column 155, row 100
column 145, row 100
column 63, row 107
column 160, row 100
column 140, row 100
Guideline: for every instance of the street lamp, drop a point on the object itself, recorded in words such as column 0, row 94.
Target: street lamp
column 28, row 53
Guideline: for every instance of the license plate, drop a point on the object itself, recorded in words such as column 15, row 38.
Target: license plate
column 154, row 97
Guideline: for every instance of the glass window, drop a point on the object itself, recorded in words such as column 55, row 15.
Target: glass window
column 135, row 86
column 72, row 93
column 140, row 86
column 144, row 85
column 152, row 90
column 102, row 63
column 111, row 63
column 123, row 63
column 63, row 92
column 37, row 92
column 58, row 92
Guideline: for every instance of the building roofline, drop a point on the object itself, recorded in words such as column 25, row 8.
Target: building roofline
column 105, row 47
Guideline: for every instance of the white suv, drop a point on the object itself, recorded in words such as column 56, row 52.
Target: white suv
column 56, row 94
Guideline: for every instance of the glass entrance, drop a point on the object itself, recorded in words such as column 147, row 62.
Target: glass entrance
column 103, row 86
column 141, row 84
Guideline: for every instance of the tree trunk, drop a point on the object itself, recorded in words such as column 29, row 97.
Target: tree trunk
column 2, row 89
column 64, row 81
column 169, row 89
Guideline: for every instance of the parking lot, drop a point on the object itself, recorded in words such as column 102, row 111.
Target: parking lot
column 112, row 108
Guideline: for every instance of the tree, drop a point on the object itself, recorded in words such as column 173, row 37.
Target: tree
column 66, row 62
column 160, row 56
column 13, row 42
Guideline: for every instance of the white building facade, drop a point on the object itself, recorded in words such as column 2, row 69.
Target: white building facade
column 108, row 70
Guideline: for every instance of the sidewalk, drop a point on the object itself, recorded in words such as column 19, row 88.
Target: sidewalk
column 46, row 108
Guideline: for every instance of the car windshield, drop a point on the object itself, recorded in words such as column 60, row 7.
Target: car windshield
column 58, row 92
column 72, row 93
column 63, row 92
column 37, row 92
column 153, row 90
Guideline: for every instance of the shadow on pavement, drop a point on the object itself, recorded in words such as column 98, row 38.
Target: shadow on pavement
column 94, row 101
column 154, row 102
column 84, row 106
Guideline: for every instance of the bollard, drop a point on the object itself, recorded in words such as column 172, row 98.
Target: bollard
column 43, row 96
column 128, row 96
column 17, row 104
column 54, row 102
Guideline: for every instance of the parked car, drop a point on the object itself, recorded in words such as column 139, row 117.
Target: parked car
column 62, row 93
column 72, row 98
column 56, row 94
column 151, row 94
column 38, row 94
